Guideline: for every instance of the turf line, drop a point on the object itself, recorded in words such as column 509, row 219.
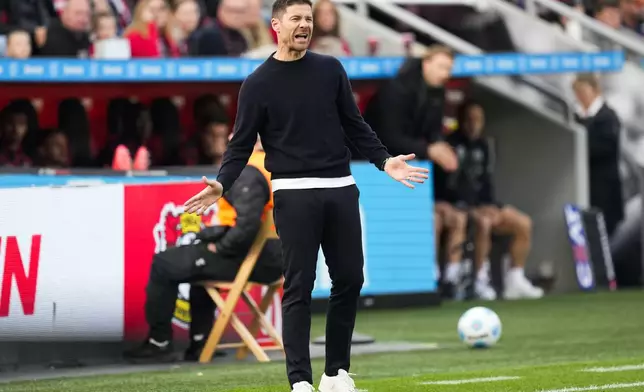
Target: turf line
column 597, row 387
column 470, row 380
column 611, row 369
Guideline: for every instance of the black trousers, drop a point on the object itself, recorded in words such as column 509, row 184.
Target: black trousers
column 306, row 219
column 184, row 264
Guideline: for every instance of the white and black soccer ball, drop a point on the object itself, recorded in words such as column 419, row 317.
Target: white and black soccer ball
column 479, row 327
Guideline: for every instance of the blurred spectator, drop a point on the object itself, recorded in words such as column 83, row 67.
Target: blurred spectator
column 205, row 105
column 632, row 15
column 186, row 15
column 209, row 143
column 471, row 188
column 69, row 36
column 31, row 15
column 18, row 45
column 193, row 37
column 603, row 132
column 105, row 26
column 167, row 135
column 326, row 30
column 134, row 141
column 147, row 33
column 452, row 222
column 257, row 31
column 100, row 7
column 407, row 112
column 231, row 21
column 74, row 122
column 13, row 130
column 53, row 151
column 120, row 9
column 609, row 12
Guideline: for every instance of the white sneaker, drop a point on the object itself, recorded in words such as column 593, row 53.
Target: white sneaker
column 517, row 286
column 453, row 273
column 303, row 386
column 484, row 291
column 340, row 383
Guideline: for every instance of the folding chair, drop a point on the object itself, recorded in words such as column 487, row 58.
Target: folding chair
column 240, row 289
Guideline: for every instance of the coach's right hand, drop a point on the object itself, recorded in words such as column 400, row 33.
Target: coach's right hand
column 200, row 202
column 443, row 155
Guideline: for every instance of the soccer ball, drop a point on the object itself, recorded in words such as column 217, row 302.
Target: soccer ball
column 479, row 327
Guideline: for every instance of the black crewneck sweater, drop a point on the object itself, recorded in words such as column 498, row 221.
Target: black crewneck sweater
column 302, row 110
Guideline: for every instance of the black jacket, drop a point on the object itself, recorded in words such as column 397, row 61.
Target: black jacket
column 471, row 184
column 603, row 158
column 28, row 14
column 248, row 196
column 62, row 42
column 407, row 114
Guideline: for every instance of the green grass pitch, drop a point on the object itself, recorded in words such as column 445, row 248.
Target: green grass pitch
column 572, row 343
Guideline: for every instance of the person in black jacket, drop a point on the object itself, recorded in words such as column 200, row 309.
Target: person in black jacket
column 216, row 255
column 471, row 188
column 603, row 129
column 69, row 36
column 407, row 112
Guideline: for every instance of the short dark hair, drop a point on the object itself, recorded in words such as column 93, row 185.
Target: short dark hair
column 463, row 111
column 604, row 4
column 280, row 6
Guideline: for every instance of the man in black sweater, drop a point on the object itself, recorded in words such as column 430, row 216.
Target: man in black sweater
column 302, row 105
column 603, row 131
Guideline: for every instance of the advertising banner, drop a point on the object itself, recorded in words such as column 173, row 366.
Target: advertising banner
column 155, row 221
column 397, row 237
column 75, row 260
column 580, row 248
column 61, row 270
column 235, row 69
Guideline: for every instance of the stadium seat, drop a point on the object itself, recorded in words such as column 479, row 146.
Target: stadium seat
column 240, row 289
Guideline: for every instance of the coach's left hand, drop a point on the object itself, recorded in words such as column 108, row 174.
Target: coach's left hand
column 399, row 170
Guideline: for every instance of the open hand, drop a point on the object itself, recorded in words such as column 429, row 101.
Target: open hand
column 399, row 170
column 200, row 202
column 443, row 155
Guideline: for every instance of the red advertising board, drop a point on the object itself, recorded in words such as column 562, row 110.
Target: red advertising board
column 154, row 220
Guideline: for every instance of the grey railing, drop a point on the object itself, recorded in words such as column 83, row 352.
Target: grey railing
column 462, row 46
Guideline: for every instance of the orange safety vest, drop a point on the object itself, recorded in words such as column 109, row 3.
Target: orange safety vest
column 226, row 214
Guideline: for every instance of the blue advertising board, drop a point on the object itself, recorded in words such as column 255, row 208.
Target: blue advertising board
column 398, row 227
column 237, row 69
column 398, row 236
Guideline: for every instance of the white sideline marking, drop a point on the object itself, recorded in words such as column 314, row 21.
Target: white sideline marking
column 612, row 369
column 597, row 387
column 470, row 380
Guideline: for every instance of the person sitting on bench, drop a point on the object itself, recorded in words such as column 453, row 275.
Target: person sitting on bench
column 216, row 255
column 452, row 222
column 471, row 188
